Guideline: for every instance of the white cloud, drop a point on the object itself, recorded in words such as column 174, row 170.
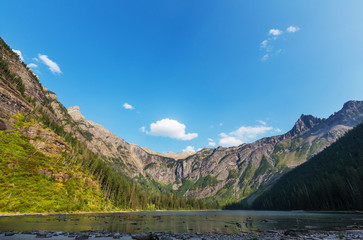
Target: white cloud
column 189, row 149
column 265, row 57
column 18, row 52
column 262, row 122
column 127, row 106
column 245, row 134
column 142, row 129
column 228, row 141
column 264, row 43
column 221, row 124
column 32, row 65
column 211, row 142
column 35, row 59
column 170, row 128
column 53, row 67
column 268, row 45
column 292, row 29
column 275, row 32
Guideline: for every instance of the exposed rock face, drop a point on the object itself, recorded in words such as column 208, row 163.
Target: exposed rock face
column 30, row 81
column 180, row 155
column 11, row 101
column 44, row 140
column 305, row 123
column 128, row 158
column 238, row 171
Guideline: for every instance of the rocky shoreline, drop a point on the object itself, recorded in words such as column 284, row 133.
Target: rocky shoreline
column 271, row 235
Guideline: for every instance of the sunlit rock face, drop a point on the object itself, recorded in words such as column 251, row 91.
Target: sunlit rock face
column 225, row 173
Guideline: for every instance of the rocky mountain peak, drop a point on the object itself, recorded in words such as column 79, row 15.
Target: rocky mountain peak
column 352, row 105
column 75, row 113
column 304, row 123
column 350, row 115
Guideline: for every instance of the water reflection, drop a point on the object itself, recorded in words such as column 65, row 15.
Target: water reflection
column 183, row 221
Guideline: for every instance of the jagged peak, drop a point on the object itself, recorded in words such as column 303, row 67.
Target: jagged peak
column 304, row 123
column 352, row 104
column 74, row 108
column 308, row 119
column 75, row 113
column 350, row 115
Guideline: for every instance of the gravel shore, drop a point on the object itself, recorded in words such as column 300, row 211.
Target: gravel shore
column 271, row 235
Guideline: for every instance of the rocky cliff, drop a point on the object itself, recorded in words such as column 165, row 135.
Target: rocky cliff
column 126, row 157
column 240, row 171
column 224, row 174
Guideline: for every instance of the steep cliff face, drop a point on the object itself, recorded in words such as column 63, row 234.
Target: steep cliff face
column 224, row 174
column 241, row 170
column 128, row 158
column 12, row 101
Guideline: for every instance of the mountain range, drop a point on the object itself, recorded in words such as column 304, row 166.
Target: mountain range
column 217, row 175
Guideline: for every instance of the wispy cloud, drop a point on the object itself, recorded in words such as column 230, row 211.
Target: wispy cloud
column 229, row 141
column 292, row 29
column 189, row 149
column 18, row 52
column 262, row 122
column 170, row 128
column 53, row 67
column 32, row 65
column 275, row 32
column 265, row 57
column 245, row 134
column 128, row 106
column 211, row 142
column 267, row 46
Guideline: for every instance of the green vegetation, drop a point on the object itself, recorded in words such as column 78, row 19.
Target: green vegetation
column 5, row 73
column 203, row 182
column 246, row 175
column 114, row 190
column 33, row 182
column 331, row 180
column 186, row 185
column 264, row 167
column 233, row 174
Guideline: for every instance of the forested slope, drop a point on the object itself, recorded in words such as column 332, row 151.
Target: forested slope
column 331, row 180
column 44, row 167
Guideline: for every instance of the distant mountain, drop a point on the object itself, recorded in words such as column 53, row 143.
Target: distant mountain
column 331, row 180
column 224, row 174
column 50, row 162
column 126, row 157
column 238, row 172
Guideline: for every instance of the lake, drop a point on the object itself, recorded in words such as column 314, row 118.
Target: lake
column 206, row 222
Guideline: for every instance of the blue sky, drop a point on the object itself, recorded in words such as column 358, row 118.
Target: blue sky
column 196, row 73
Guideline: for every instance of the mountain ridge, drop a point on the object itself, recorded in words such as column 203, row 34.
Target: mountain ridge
column 215, row 170
column 220, row 174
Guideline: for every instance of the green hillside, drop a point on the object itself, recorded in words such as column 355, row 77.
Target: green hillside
column 71, row 181
column 31, row 181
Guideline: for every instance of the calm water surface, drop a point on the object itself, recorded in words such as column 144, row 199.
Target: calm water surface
column 183, row 221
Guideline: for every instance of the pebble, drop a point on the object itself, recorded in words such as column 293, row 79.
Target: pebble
column 271, row 235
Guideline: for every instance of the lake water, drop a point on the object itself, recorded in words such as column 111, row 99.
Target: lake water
column 206, row 222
